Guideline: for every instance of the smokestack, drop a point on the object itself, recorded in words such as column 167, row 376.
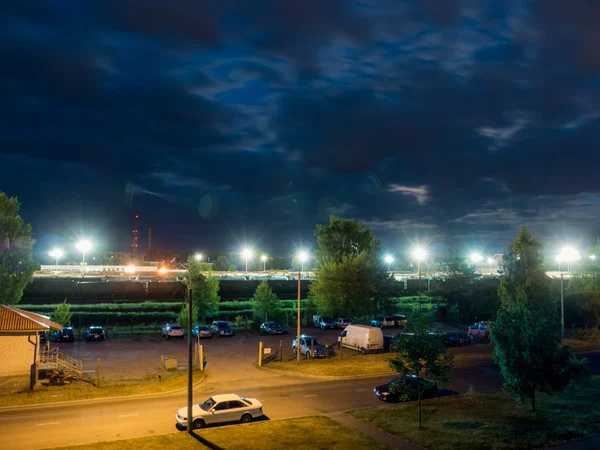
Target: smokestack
column 149, row 238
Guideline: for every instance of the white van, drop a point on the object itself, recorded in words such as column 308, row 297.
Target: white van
column 363, row 338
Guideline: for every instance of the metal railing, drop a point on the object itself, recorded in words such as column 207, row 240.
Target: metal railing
column 57, row 359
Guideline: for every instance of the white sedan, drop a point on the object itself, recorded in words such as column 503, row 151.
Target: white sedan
column 220, row 409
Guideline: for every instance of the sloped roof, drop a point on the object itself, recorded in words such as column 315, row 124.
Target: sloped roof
column 15, row 319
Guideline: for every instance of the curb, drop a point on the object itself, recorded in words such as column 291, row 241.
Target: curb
column 99, row 399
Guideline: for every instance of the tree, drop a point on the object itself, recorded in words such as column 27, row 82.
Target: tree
column 222, row 263
column 526, row 332
column 456, row 285
column 266, row 303
column 16, row 252
column 342, row 238
column 205, row 289
column 418, row 350
column 346, row 288
column 62, row 314
column 349, row 271
column 183, row 314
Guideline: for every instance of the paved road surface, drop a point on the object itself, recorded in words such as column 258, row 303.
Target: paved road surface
column 92, row 421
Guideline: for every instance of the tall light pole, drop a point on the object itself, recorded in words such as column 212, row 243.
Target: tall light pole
column 389, row 260
column 83, row 246
column 56, row 253
column 246, row 254
column 190, row 350
column 419, row 254
column 302, row 256
column 263, row 258
column 567, row 254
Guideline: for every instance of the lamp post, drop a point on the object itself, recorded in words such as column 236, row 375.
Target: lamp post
column 263, row 258
column 302, row 256
column 56, row 253
column 419, row 254
column 389, row 260
column 198, row 257
column 246, row 254
column 190, row 350
column 567, row 254
column 476, row 258
column 83, row 246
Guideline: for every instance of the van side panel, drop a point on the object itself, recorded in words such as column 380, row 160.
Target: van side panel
column 370, row 339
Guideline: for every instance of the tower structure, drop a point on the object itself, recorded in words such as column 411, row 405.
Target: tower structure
column 134, row 243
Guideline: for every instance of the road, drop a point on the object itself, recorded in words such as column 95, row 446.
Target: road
column 101, row 420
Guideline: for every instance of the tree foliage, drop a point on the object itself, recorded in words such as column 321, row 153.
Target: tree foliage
column 456, row 284
column 62, row 314
column 419, row 350
column 205, row 289
column 349, row 271
column 222, row 263
column 183, row 314
column 266, row 303
column 16, row 252
column 526, row 332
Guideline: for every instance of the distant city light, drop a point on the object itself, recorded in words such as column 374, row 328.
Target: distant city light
column 490, row 261
column 476, row 257
column 162, row 270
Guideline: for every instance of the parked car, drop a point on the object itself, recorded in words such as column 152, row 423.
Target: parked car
column 363, row 338
column 202, row 331
column 221, row 409
column 272, row 328
column 173, row 330
column 382, row 322
column 309, row 347
column 66, row 335
column 316, row 320
column 456, row 338
column 222, row 328
column 480, row 330
column 400, row 320
column 384, row 391
column 342, row 322
column 95, row 333
column 325, row 323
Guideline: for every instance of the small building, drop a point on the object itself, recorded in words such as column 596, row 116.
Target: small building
column 20, row 343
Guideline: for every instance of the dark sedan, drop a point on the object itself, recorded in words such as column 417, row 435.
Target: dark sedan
column 202, row 331
column 66, row 335
column 222, row 328
column 456, row 338
column 272, row 328
column 95, row 334
column 408, row 384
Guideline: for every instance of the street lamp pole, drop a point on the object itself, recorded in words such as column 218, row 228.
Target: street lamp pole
column 190, row 425
column 562, row 306
column 298, row 320
column 419, row 285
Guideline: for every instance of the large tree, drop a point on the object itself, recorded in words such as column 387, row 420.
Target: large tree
column 16, row 251
column 455, row 284
column 205, row 289
column 420, row 351
column 62, row 314
column 349, row 270
column 526, row 332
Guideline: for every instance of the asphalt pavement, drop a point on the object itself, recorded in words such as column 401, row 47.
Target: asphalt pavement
column 282, row 397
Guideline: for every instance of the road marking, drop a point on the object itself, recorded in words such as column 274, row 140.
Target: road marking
column 314, row 395
column 128, row 415
column 47, row 423
column 361, row 390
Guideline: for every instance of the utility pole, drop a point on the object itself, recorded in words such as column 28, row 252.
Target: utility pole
column 298, row 322
column 562, row 306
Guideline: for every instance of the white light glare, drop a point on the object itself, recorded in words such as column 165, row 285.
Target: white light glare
column 389, row 259
column 419, row 253
column 83, row 246
column 476, row 257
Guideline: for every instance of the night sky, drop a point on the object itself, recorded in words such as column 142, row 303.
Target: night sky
column 234, row 121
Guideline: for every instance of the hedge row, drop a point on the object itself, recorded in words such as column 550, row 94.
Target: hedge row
column 118, row 307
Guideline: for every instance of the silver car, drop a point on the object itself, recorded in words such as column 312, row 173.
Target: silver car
column 221, row 409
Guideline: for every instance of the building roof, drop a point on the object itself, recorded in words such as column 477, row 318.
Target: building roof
column 15, row 319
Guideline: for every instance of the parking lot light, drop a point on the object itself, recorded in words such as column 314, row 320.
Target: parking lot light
column 246, row 254
column 56, row 253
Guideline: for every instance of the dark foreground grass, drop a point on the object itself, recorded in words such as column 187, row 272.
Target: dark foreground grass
column 492, row 421
column 306, row 433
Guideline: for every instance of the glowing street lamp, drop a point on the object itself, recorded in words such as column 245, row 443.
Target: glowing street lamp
column 246, row 254
column 490, row 261
column 303, row 257
column 263, row 258
column 83, row 246
column 389, row 260
column 592, row 257
column 198, row 257
column 476, row 257
column 567, row 254
column 56, row 253
column 419, row 253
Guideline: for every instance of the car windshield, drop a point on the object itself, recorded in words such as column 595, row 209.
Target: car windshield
column 272, row 325
column 207, row 404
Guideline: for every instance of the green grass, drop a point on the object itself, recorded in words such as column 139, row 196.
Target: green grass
column 484, row 421
column 305, row 433
column 81, row 390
